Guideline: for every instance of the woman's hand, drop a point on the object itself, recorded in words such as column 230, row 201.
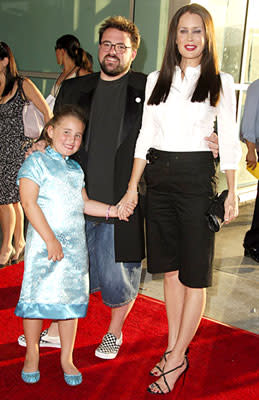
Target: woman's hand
column 55, row 251
column 231, row 207
column 127, row 204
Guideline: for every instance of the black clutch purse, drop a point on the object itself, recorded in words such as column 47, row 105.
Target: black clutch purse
column 216, row 211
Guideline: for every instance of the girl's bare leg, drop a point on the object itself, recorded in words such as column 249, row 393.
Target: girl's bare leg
column 67, row 333
column 32, row 329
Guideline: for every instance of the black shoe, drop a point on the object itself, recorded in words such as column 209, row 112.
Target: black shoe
column 253, row 253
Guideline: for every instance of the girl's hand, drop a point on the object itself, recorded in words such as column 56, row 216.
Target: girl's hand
column 127, row 204
column 55, row 252
column 231, row 207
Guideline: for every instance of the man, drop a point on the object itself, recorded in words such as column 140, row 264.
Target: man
column 113, row 103
column 250, row 134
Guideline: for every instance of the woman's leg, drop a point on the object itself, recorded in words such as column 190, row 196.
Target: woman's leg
column 174, row 293
column 67, row 332
column 7, row 221
column 19, row 241
column 192, row 311
column 32, row 329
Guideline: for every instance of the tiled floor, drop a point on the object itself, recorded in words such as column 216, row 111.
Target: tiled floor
column 234, row 297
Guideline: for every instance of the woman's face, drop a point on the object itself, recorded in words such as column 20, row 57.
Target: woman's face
column 59, row 56
column 3, row 64
column 190, row 39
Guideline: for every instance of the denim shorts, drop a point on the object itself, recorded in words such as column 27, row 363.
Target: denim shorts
column 117, row 281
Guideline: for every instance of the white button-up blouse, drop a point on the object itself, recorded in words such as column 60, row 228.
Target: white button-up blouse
column 181, row 125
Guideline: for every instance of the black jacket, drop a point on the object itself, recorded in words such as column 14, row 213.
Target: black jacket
column 129, row 236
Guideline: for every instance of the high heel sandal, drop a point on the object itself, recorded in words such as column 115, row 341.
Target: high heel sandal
column 165, row 359
column 156, row 385
column 8, row 262
column 157, row 366
column 19, row 258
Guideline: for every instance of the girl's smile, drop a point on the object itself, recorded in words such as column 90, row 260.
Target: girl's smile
column 66, row 135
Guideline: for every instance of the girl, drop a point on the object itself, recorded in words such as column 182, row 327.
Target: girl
column 12, row 151
column 55, row 282
column 182, row 102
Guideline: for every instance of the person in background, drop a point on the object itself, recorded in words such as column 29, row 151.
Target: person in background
column 12, row 151
column 250, row 134
column 74, row 60
column 54, row 199
column 182, row 101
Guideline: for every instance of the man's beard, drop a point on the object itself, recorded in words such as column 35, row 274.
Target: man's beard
column 117, row 70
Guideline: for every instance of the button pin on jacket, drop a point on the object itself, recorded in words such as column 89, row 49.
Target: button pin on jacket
column 137, row 99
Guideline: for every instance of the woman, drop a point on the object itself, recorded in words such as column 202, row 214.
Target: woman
column 182, row 102
column 73, row 59
column 12, row 150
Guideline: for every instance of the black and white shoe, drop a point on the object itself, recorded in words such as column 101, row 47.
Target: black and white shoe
column 45, row 340
column 109, row 347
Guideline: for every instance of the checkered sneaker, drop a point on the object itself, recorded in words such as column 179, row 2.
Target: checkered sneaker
column 45, row 340
column 109, row 347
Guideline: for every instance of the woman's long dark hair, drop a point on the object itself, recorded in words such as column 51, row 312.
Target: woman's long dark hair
column 11, row 73
column 209, row 82
column 71, row 44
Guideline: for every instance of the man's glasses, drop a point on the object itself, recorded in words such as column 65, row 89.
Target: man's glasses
column 120, row 48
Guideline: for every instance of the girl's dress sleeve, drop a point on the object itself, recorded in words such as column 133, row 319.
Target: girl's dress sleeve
column 32, row 169
column 229, row 143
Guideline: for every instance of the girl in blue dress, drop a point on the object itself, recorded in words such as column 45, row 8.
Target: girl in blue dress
column 55, row 283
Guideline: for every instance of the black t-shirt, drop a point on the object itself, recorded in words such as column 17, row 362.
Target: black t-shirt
column 107, row 114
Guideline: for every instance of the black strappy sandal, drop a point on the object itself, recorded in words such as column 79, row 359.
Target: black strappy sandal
column 157, row 366
column 156, row 385
column 165, row 358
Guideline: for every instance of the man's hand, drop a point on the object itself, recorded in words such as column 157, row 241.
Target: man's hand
column 251, row 158
column 39, row 146
column 213, row 144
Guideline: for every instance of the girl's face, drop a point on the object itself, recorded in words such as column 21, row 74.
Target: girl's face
column 190, row 39
column 66, row 135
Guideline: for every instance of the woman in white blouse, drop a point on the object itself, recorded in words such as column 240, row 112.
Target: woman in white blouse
column 182, row 101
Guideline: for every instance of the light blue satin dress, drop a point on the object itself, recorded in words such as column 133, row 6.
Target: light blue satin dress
column 55, row 290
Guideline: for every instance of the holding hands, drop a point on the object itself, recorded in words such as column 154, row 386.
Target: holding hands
column 127, row 204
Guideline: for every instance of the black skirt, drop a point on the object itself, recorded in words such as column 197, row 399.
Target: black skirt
column 180, row 186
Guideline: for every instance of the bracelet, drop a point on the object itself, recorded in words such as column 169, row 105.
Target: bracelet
column 108, row 213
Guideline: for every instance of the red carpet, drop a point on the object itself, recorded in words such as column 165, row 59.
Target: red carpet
column 224, row 361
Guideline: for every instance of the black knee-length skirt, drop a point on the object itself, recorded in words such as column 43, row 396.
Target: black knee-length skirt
column 180, row 186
